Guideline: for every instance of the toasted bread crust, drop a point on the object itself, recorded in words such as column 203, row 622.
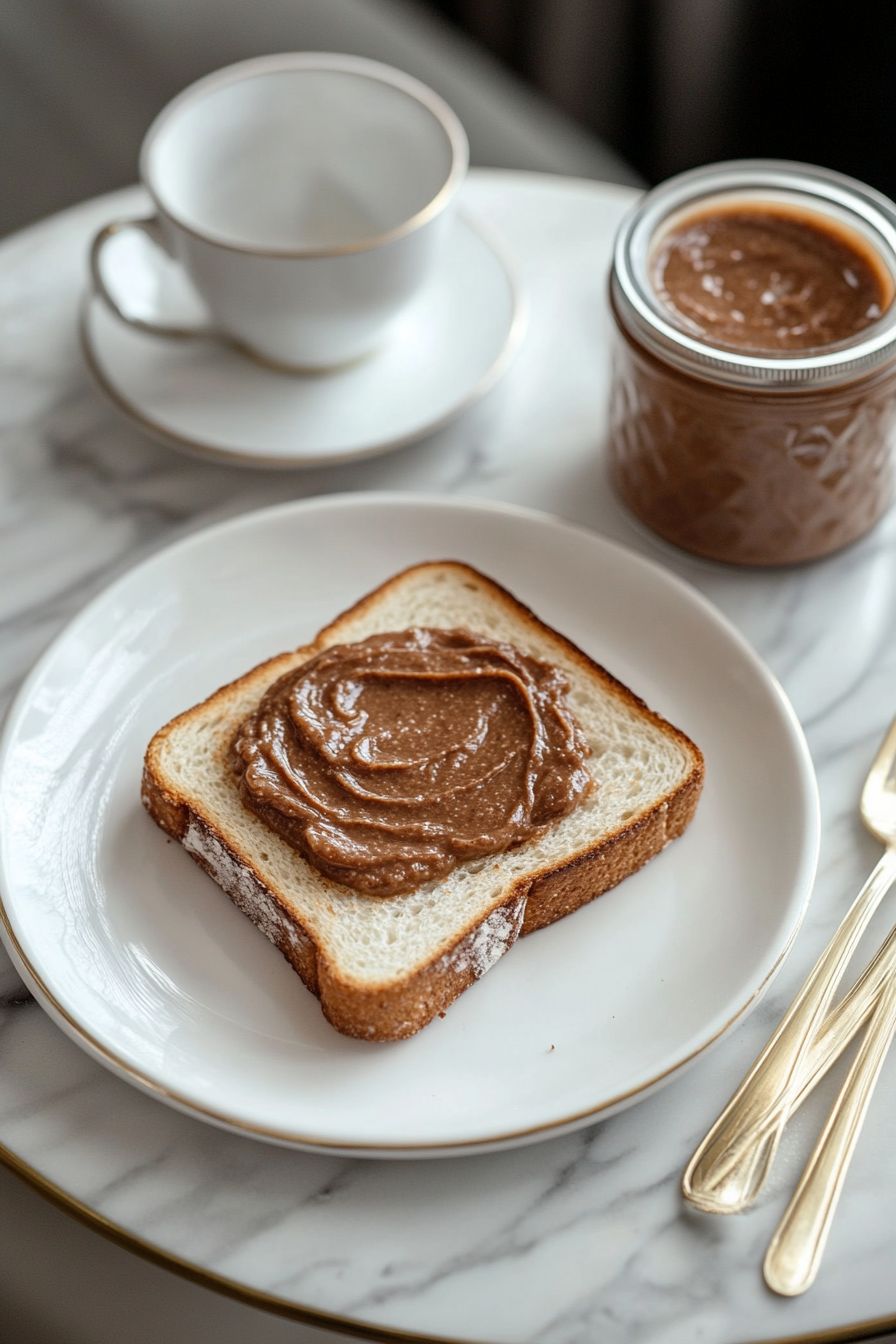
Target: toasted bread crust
column 398, row 1009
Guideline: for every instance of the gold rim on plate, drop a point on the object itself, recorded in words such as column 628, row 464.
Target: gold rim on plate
column 314, row 1143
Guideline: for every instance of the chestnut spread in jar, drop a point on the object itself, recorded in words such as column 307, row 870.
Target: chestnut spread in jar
column 768, row 279
column 388, row 762
column 753, row 397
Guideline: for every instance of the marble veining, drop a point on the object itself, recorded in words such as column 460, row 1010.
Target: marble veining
column 578, row 1239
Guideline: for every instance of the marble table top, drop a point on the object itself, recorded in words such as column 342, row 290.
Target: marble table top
column 573, row 1240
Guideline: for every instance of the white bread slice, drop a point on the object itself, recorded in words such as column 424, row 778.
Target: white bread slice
column 384, row 967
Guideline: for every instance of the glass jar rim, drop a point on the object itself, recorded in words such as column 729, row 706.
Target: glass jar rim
column 820, row 189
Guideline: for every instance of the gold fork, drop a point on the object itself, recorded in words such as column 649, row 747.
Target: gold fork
column 795, row 1251
column 731, row 1164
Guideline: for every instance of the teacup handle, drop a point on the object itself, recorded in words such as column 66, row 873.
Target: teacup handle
column 150, row 226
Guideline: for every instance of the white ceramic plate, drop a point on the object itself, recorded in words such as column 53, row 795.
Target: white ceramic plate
column 138, row 955
column 451, row 346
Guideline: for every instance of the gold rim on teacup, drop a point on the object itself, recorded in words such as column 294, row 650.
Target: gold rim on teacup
column 306, row 307
column 337, row 64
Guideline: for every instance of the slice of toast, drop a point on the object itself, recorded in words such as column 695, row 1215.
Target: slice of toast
column 384, row 967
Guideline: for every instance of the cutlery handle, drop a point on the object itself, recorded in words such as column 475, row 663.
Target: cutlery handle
column 794, row 1254
column 746, row 1178
column 845, row 1019
column 758, row 1111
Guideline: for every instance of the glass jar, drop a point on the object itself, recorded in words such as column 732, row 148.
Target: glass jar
column 758, row 458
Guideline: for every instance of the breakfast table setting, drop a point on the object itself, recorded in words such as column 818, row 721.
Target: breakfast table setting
column 241, row 404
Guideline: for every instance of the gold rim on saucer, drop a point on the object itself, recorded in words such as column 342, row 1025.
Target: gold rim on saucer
column 172, row 438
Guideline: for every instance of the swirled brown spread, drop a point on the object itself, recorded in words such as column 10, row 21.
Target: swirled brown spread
column 765, row 278
column 388, row 762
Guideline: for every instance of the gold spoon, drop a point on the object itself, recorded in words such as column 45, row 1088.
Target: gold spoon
column 731, row 1164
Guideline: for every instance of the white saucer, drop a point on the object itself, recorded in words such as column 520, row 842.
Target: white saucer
column 450, row 347
column 143, row 961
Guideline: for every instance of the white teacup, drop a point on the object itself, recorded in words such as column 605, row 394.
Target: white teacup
column 305, row 196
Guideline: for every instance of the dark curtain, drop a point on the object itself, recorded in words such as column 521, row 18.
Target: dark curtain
column 674, row 83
